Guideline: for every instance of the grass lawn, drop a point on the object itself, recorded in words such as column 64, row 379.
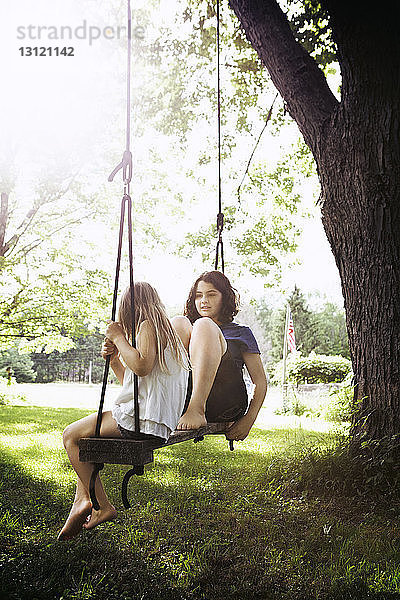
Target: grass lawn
column 205, row 523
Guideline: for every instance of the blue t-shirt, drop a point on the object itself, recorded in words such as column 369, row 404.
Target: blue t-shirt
column 239, row 339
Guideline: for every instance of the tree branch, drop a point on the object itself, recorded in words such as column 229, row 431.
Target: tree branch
column 13, row 304
column 28, row 320
column 293, row 71
column 20, row 335
column 13, row 241
column 3, row 221
column 35, row 243
column 368, row 46
column 45, row 197
column 255, row 147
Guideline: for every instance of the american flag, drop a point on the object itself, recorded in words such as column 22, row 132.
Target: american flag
column 290, row 334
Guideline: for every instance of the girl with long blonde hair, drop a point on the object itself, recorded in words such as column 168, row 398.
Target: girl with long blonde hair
column 161, row 363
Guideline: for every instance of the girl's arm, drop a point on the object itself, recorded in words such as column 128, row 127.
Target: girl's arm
column 240, row 429
column 109, row 349
column 141, row 359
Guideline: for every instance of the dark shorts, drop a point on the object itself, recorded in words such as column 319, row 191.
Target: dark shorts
column 228, row 400
column 132, row 435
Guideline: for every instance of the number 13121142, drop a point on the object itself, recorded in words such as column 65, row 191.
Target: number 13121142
column 49, row 51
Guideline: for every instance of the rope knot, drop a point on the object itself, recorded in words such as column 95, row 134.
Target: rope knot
column 220, row 222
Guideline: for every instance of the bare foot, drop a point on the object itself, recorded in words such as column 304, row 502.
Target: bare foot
column 76, row 519
column 100, row 516
column 191, row 420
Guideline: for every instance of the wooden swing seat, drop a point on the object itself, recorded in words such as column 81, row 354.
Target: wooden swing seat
column 122, row 451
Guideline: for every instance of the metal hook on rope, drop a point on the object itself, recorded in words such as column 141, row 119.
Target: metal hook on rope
column 126, row 162
column 92, row 485
column 126, row 166
column 135, row 470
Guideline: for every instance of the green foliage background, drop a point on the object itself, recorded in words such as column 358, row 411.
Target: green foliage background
column 56, row 277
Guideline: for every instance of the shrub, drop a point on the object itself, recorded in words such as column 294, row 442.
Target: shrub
column 322, row 403
column 340, row 407
column 315, row 368
column 21, row 365
column 8, row 393
column 370, row 473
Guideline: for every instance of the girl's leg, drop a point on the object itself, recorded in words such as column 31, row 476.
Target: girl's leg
column 207, row 346
column 183, row 328
column 82, row 506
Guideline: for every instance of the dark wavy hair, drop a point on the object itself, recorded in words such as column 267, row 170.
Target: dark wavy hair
column 230, row 297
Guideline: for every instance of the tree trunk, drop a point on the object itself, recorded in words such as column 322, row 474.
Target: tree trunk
column 365, row 241
column 356, row 148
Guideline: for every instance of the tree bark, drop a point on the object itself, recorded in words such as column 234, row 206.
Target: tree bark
column 355, row 144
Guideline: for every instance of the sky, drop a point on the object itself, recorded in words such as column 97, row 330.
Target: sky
column 55, row 107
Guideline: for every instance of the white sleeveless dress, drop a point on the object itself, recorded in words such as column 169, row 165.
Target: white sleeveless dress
column 161, row 398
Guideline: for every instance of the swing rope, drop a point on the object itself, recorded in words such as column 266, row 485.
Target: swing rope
column 90, row 450
column 220, row 216
column 126, row 206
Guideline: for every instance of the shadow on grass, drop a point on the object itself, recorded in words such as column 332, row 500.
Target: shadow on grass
column 37, row 567
column 206, row 524
column 109, row 564
column 369, row 482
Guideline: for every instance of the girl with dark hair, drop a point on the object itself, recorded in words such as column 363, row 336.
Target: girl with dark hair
column 219, row 348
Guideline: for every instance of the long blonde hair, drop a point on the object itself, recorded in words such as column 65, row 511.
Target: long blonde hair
column 148, row 307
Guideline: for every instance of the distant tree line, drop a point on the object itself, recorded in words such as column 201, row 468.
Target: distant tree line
column 321, row 331
column 77, row 364
column 73, row 365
